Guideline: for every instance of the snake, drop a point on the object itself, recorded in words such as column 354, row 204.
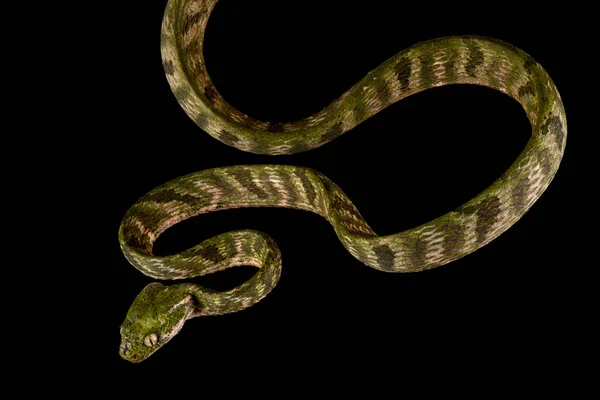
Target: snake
column 159, row 312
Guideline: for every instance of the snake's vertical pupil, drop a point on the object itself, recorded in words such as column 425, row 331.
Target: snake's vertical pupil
column 150, row 340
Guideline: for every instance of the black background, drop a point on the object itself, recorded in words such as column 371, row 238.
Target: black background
column 419, row 158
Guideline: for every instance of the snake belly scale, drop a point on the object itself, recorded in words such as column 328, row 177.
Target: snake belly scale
column 159, row 312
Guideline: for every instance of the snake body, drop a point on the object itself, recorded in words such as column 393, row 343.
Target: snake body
column 159, row 311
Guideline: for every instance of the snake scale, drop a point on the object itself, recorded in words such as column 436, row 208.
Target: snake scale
column 159, row 312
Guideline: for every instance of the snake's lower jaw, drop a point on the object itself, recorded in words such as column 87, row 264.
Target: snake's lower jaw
column 127, row 353
column 133, row 354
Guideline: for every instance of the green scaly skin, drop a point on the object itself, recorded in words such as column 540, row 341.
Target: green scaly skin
column 159, row 312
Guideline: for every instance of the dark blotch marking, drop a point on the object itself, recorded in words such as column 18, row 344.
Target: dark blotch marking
column 259, row 247
column 275, row 127
column 270, row 275
column 211, row 252
column 529, row 64
column 454, row 239
column 559, row 136
column 466, row 209
column 527, row 89
column 385, row 256
column 475, row 57
column 222, row 183
column 487, row 215
column 311, row 194
column 384, row 91
column 519, row 194
column 228, row 138
column 245, row 179
column 151, row 219
column 210, row 93
column 329, row 186
column 340, row 202
column 333, row 132
column 168, row 66
column 180, row 94
column 553, row 125
column 350, row 215
column 427, row 74
column 168, row 195
column 403, row 70
column 201, row 120
column 417, row 253
column 266, row 183
column 134, row 237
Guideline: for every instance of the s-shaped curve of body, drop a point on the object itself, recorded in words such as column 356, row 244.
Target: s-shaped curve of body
column 159, row 312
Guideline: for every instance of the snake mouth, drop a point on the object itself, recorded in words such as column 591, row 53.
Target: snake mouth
column 127, row 353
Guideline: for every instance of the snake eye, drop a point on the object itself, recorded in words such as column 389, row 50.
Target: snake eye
column 150, row 340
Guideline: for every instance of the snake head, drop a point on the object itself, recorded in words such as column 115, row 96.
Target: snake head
column 157, row 314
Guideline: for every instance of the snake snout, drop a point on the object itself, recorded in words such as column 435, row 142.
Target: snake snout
column 126, row 352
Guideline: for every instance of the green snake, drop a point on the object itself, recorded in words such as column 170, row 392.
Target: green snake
column 159, row 312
